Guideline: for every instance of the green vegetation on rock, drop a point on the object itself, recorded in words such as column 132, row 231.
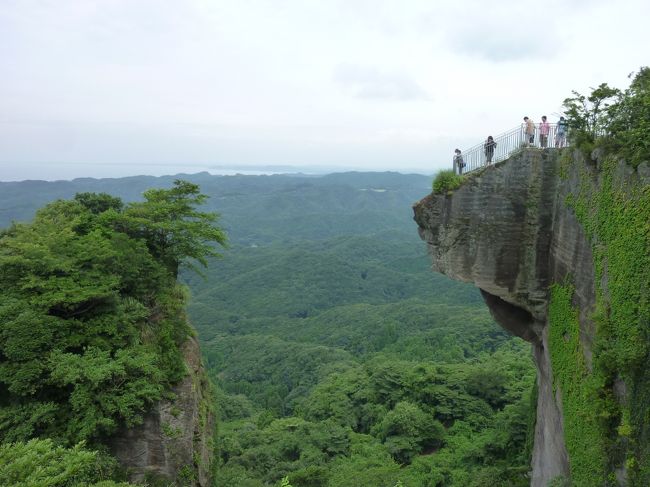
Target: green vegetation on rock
column 583, row 407
column 606, row 405
column 615, row 212
column 446, row 180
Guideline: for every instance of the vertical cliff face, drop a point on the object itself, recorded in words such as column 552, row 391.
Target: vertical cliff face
column 175, row 441
column 509, row 230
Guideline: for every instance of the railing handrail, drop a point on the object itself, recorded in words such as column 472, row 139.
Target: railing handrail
column 509, row 142
column 498, row 138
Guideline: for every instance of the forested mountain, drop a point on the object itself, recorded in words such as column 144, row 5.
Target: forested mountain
column 340, row 359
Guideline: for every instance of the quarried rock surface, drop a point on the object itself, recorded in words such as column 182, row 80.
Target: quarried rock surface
column 175, row 441
column 508, row 230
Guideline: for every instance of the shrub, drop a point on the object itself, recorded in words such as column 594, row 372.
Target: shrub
column 446, row 181
column 41, row 462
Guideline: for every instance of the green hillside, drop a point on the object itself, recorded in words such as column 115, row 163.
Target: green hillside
column 340, row 359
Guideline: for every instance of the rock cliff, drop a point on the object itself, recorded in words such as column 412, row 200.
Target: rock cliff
column 511, row 231
column 175, row 441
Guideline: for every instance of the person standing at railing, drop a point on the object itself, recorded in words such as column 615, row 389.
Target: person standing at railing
column 459, row 164
column 560, row 136
column 489, row 147
column 544, row 129
column 529, row 130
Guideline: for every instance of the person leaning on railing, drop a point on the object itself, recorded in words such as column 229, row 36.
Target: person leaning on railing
column 459, row 164
column 488, row 148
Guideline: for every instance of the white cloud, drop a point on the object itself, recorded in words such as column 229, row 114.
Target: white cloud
column 507, row 45
column 370, row 83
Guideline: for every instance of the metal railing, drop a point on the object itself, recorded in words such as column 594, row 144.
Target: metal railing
column 507, row 144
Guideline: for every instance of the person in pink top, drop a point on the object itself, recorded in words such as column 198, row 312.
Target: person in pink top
column 544, row 129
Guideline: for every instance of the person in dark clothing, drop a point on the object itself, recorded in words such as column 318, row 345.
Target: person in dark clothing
column 489, row 147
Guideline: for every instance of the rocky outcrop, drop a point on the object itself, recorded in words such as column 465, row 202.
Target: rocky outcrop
column 175, row 441
column 508, row 230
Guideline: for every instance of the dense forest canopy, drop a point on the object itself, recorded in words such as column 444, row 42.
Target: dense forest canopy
column 342, row 360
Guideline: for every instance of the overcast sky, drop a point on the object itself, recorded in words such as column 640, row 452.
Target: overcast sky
column 123, row 87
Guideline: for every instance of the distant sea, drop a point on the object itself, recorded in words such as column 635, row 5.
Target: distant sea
column 56, row 171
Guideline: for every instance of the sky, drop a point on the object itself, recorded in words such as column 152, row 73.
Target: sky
column 112, row 88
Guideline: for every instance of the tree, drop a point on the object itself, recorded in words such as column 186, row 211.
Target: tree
column 630, row 120
column 588, row 116
column 406, row 430
column 175, row 231
column 99, row 202
column 488, row 383
column 618, row 121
